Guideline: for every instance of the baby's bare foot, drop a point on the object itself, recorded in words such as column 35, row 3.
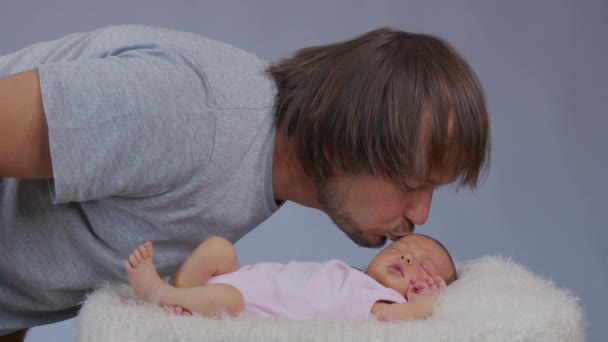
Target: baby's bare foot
column 142, row 274
column 178, row 310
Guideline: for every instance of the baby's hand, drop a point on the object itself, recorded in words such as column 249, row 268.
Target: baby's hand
column 429, row 288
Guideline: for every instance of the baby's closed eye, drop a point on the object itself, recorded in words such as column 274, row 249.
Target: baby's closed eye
column 428, row 267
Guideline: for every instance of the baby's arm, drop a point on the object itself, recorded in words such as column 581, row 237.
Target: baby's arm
column 420, row 309
column 214, row 256
column 422, row 297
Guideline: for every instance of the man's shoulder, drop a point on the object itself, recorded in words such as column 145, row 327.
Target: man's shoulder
column 236, row 78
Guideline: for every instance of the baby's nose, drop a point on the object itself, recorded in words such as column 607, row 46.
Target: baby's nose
column 407, row 259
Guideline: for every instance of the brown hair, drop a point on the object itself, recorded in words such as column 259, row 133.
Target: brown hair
column 387, row 102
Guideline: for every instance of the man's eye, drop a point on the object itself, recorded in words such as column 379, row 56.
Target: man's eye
column 409, row 187
column 410, row 184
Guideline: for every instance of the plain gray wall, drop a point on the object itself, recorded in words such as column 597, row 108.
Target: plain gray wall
column 543, row 66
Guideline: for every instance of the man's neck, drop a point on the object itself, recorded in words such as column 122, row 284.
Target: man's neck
column 289, row 180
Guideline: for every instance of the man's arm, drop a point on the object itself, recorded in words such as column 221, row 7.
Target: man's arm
column 420, row 309
column 24, row 141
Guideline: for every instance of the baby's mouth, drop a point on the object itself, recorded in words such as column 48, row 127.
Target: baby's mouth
column 396, row 268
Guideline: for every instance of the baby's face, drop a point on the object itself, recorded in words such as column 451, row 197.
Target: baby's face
column 410, row 258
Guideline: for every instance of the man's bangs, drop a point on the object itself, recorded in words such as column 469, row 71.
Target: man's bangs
column 435, row 144
column 452, row 151
column 454, row 126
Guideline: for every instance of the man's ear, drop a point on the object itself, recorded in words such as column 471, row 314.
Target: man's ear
column 332, row 167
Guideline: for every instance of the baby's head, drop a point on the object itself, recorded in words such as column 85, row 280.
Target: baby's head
column 411, row 258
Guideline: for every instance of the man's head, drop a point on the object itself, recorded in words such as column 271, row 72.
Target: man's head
column 404, row 109
column 411, row 258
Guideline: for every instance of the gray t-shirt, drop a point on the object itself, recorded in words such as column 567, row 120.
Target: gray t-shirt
column 155, row 135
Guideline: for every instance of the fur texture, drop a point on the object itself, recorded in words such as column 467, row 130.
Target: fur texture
column 495, row 299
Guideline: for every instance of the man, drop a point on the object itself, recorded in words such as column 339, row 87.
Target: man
column 131, row 133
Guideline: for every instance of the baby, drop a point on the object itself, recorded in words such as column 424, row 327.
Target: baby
column 403, row 281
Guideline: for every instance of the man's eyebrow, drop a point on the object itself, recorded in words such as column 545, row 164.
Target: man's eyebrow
column 432, row 182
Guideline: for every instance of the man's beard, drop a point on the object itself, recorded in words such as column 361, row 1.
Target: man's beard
column 332, row 202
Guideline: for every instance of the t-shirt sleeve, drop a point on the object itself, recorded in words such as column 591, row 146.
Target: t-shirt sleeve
column 136, row 123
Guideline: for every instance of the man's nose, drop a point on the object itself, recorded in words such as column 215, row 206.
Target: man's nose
column 418, row 208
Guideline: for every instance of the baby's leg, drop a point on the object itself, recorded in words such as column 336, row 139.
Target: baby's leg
column 214, row 256
column 210, row 300
column 207, row 300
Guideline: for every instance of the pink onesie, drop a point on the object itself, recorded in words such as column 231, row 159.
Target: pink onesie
column 308, row 290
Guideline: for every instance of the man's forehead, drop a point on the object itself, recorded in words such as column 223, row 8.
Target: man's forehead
column 427, row 125
column 436, row 177
column 440, row 175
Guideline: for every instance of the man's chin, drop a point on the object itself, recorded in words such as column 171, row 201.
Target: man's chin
column 368, row 241
column 357, row 236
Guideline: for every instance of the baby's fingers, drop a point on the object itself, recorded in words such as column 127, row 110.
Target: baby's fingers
column 420, row 285
column 429, row 280
column 440, row 283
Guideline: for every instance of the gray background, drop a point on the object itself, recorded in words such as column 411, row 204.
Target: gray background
column 542, row 64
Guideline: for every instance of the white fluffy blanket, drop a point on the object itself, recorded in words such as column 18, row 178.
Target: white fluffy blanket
column 495, row 299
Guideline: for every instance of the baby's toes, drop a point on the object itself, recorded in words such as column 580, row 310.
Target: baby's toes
column 137, row 254
column 133, row 260
column 142, row 252
column 149, row 250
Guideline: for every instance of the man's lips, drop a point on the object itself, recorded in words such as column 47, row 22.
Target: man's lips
column 395, row 268
column 394, row 233
column 393, row 237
